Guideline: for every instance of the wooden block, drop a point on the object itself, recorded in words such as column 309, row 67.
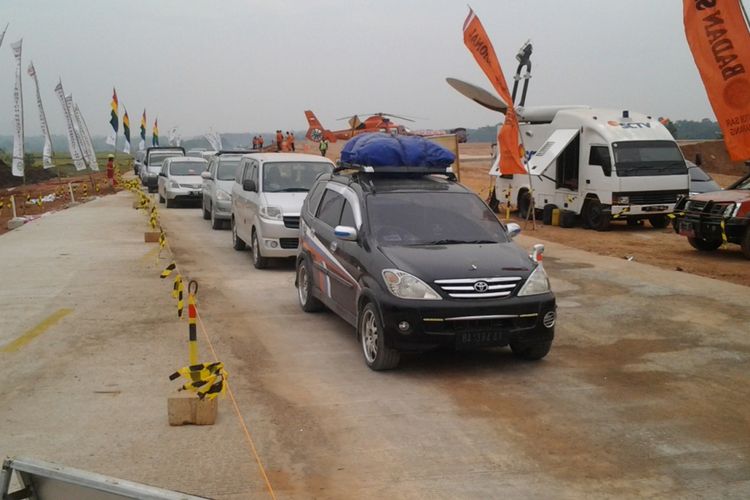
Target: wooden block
column 136, row 204
column 151, row 237
column 191, row 410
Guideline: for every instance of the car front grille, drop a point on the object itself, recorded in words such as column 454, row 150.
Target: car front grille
column 479, row 288
column 291, row 221
column 289, row 243
column 651, row 197
column 191, row 186
column 705, row 208
column 480, row 325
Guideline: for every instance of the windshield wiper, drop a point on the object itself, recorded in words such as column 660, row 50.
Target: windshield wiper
column 457, row 242
column 292, row 190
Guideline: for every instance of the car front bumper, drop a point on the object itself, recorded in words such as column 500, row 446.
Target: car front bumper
column 709, row 228
column 277, row 239
column 467, row 323
column 222, row 209
column 182, row 193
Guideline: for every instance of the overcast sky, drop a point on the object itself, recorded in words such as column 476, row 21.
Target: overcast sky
column 256, row 65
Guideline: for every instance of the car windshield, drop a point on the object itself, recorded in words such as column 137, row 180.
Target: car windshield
column 186, row 168
column 156, row 159
column 292, row 176
column 429, row 218
column 647, row 158
column 744, row 184
column 227, row 169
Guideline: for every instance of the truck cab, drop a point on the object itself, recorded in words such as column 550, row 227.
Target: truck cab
column 601, row 164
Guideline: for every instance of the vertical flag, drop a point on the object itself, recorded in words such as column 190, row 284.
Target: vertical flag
column 2, row 35
column 126, row 131
column 155, row 133
column 47, row 151
column 73, row 145
column 172, row 136
column 113, row 120
column 718, row 37
column 87, row 144
column 142, row 144
column 17, row 165
column 478, row 43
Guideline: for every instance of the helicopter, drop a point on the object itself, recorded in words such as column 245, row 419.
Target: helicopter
column 376, row 122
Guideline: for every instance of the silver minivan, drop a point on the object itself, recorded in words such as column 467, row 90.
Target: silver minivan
column 217, row 187
column 180, row 179
column 267, row 197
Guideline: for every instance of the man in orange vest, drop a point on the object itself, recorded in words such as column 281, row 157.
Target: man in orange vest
column 260, row 142
column 290, row 140
column 111, row 171
column 279, row 140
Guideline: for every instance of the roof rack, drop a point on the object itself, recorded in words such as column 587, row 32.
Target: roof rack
column 369, row 169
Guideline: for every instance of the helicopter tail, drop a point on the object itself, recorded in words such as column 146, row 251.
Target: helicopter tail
column 315, row 131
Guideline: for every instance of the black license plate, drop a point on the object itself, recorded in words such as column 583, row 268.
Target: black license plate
column 687, row 229
column 478, row 339
column 655, row 208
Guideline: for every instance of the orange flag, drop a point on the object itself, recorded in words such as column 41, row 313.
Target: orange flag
column 478, row 43
column 720, row 42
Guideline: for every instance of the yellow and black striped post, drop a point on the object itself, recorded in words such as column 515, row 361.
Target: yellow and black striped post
column 168, row 270
column 192, row 329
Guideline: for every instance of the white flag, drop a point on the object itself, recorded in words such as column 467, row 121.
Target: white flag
column 17, row 165
column 3, row 34
column 141, row 145
column 47, row 151
column 73, row 145
column 172, row 136
column 88, row 145
column 126, row 148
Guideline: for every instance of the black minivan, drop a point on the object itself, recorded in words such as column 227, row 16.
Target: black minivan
column 416, row 261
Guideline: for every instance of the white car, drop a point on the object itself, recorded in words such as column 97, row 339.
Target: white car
column 267, row 197
column 217, row 187
column 180, row 179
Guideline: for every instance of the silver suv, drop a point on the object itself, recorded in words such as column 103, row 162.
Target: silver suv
column 180, row 179
column 267, row 197
column 217, row 187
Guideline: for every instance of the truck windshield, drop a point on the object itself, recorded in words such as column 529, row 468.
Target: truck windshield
column 292, row 176
column 186, row 168
column 155, row 159
column 647, row 158
column 415, row 219
column 227, row 169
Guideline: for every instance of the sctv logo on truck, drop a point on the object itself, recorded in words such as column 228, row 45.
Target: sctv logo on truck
column 613, row 123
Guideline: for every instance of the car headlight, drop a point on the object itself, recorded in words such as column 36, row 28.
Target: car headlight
column 272, row 213
column 730, row 211
column 173, row 185
column 622, row 200
column 536, row 284
column 405, row 286
column 222, row 195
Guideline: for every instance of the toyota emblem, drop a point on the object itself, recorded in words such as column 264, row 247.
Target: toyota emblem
column 481, row 286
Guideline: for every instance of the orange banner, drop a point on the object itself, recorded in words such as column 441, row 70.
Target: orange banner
column 478, row 43
column 720, row 43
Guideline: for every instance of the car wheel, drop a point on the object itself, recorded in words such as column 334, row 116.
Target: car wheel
column 259, row 261
column 524, row 203
column 745, row 245
column 206, row 213
column 171, row 203
column 595, row 216
column 307, row 302
column 658, row 221
column 237, row 242
column 215, row 223
column 377, row 355
column 704, row 245
column 531, row 352
column 161, row 199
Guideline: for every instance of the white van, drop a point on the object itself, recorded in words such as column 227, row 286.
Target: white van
column 599, row 163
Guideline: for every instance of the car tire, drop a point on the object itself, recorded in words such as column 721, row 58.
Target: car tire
column 371, row 337
column 171, row 203
column 595, row 216
column 206, row 213
column 259, row 261
column 703, row 244
column 307, row 302
column 633, row 222
column 531, row 352
column 161, row 199
column 237, row 242
column 658, row 221
column 215, row 223
column 523, row 203
column 745, row 245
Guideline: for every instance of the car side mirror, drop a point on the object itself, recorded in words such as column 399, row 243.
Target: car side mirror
column 162, row 174
column 513, row 229
column 347, row 233
column 249, row 185
column 206, row 174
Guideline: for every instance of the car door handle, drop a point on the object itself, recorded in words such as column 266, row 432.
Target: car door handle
column 333, row 246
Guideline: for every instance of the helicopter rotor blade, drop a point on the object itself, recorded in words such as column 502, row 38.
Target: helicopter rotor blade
column 478, row 95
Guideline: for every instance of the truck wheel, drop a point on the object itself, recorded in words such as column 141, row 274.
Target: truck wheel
column 658, row 221
column 523, row 203
column 493, row 202
column 547, row 214
column 595, row 216
column 377, row 355
column 531, row 352
column 307, row 302
column 746, row 243
column 206, row 213
column 259, row 261
column 237, row 242
column 161, row 199
column 704, row 245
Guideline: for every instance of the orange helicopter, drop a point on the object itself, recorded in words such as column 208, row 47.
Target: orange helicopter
column 377, row 122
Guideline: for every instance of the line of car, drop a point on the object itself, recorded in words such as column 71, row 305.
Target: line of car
column 413, row 261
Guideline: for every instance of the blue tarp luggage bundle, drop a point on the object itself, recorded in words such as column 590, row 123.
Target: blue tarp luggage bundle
column 384, row 150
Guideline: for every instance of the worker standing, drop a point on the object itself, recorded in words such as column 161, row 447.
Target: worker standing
column 111, row 171
column 279, row 140
column 290, row 140
column 255, row 142
column 260, row 142
column 323, row 146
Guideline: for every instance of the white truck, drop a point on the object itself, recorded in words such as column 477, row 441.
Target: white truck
column 598, row 163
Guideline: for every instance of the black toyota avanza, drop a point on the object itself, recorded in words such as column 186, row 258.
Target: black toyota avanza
column 416, row 261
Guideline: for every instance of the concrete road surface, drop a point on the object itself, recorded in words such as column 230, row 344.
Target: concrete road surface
column 644, row 394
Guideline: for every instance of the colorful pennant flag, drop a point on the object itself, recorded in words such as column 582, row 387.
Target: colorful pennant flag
column 114, row 120
column 142, row 144
column 126, row 131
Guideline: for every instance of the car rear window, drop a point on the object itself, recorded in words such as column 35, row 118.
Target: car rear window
column 186, row 168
